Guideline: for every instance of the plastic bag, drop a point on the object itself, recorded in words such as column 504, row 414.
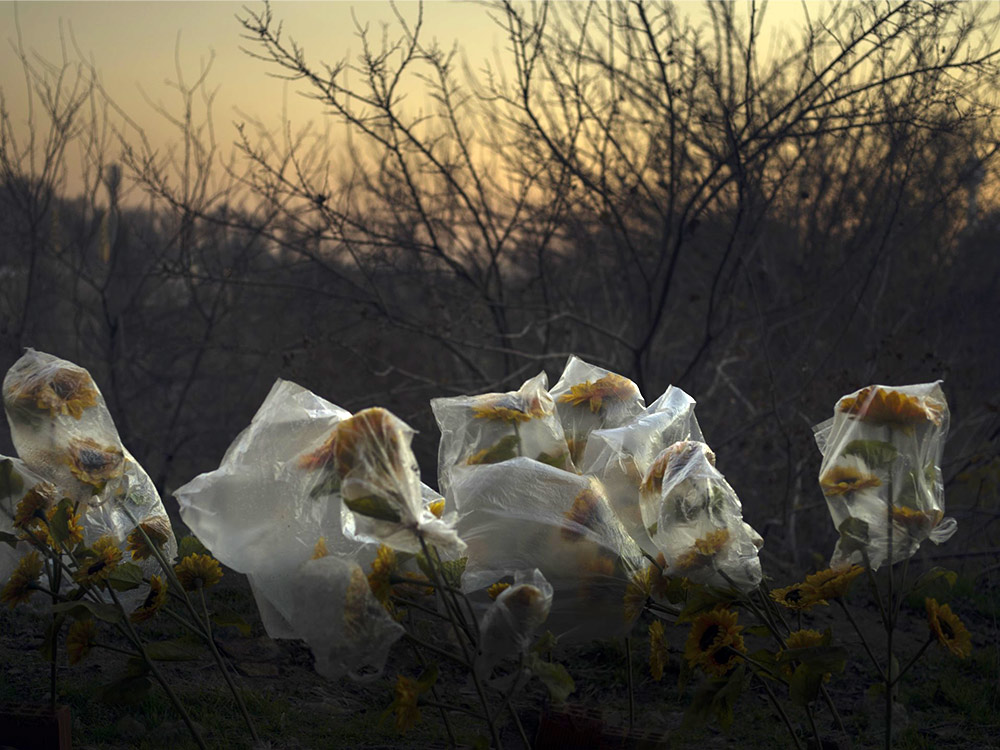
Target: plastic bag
column 591, row 398
column 509, row 625
column 495, row 427
column 63, row 431
column 523, row 514
column 621, row 456
column 882, row 457
column 695, row 519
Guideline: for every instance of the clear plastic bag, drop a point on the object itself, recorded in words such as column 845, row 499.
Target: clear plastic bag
column 882, row 458
column 696, row 521
column 64, row 433
column 523, row 514
column 621, row 456
column 511, row 622
column 591, row 398
column 495, row 427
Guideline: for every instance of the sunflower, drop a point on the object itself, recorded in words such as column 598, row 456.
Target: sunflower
column 33, row 505
column 198, row 569
column 93, row 463
column 319, row 550
column 798, row 597
column 97, row 563
column 714, row 641
column 658, row 650
column 586, row 511
column 383, row 566
column 670, row 460
column 611, row 387
column 638, row 590
column 833, row 584
column 404, row 705
column 496, row 589
column 887, row 406
column 850, row 474
column 80, row 639
column 436, row 508
column 948, row 629
column 802, row 639
column 322, row 457
column 157, row 530
column 74, row 528
column 918, row 523
column 155, row 599
column 703, row 550
column 68, row 392
column 371, row 435
column 19, row 587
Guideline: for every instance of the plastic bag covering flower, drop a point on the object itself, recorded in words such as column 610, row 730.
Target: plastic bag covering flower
column 380, row 483
column 272, row 510
column 63, row 431
column 882, row 457
column 495, row 427
column 695, row 519
column 523, row 514
column 590, row 398
column 16, row 482
column 621, row 456
column 510, row 623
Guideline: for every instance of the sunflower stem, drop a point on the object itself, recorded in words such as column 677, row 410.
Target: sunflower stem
column 631, row 691
column 434, row 693
column 836, row 714
column 815, row 729
column 914, row 660
column 889, row 620
column 781, row 712
column 864, row 641
column 435, row 650
column 222, row 667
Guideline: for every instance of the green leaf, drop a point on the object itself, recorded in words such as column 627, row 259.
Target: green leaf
column 554, row 676
column 328, row 485
column 126, row 577
column 190, row 545
column 702, row 599
column 804, row 686
column 876, row 453
column 178, row 649
column 373, row 506
column 11, row 483
column 716, row 698
column 725, row 699
column 126, row 691
column 83, row 609
column 556, row 460
column 225, row 617
column 504, row 450
column 59, row 523
column 450, row 570
column 545, row 643
column 935, row 583
column 8, row 538
column 854, row 532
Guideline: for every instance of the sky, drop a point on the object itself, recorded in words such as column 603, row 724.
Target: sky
column 134, row 46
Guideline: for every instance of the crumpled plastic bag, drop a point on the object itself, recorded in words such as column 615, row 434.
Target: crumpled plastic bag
column 274, row 511
column 522, row 514
column 696, row 521
column 16, row 481
column 591, row 398
column 495, row 427
column 621, row 456
column 510, row 623
column 64, row 433
column 882, row 455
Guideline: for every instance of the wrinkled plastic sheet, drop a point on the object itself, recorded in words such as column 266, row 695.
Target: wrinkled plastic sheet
column 882, row 459
column 522, row 515
column 64, row 434
column 275, row 510
column 621, row 456
column 589, row 398
column 509, row 625
column 494, row 427
column 695, row 519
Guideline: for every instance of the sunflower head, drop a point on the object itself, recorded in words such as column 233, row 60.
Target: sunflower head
column 917, row 523
column 93, row 463
column 798, row 597
column 19, row 587
column 833, row 584
column 888, row 406
column 638, row 590
column 371, row 435
column 319, row 549
column 496, row 589
column 74, row 525
column 68, row 391
column 383, row 566
column 322, row 457
column 594, row 394
column 198, row 571
column 714, row 642
column 585, row 511
column 97, row 563
column 80, row 639
column 157, row 530
column 803, row 639
column 436, row 508
column 850, row 474
column 703, row 551
column 949, row 631
column 34, row 505
column 671, row 460
column 155, row 599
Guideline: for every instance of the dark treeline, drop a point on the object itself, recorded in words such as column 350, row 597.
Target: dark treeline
column 766, row 228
